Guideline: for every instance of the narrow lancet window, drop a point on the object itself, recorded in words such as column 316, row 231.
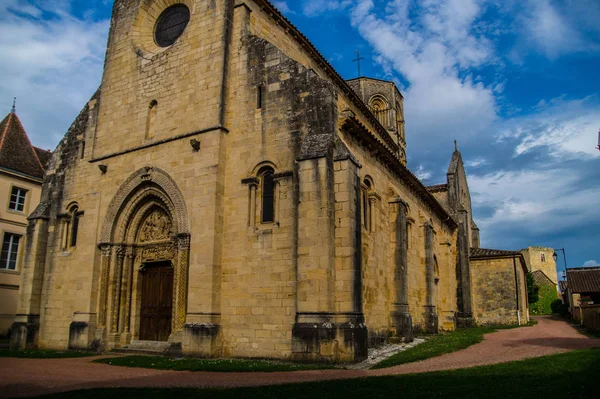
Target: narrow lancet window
column 268, row 197
column 151, row 119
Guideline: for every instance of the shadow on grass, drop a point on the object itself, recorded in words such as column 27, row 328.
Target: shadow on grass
column 572, row 375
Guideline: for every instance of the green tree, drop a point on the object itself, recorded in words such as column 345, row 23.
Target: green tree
column 533, row 291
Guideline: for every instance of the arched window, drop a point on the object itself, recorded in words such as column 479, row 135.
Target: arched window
column 268, row 195
column 368, row 204
column 71, row 226
column 381, row 110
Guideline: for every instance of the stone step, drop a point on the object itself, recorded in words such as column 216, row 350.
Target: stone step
column 155, row 348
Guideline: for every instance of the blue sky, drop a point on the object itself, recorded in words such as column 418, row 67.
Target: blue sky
column 516, row 82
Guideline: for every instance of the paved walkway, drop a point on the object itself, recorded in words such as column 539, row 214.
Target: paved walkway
column 32, row 377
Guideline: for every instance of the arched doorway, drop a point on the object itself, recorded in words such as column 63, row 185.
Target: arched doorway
column 145, row 252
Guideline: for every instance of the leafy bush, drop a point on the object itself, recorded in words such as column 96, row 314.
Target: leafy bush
column 547, row 295
column 532, row 289
column 559, row 307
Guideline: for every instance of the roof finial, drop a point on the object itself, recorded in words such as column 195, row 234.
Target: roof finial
column 455, row 145
column 14, row 108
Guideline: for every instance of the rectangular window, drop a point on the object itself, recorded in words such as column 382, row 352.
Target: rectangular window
column 74, row 229
column 268, row 200
column 17, row 199
column 10, row 251
column 259, row 97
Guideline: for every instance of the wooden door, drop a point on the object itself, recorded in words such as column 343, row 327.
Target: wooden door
column 157, row 302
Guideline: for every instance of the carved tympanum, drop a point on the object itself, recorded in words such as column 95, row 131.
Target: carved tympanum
column 156, row 227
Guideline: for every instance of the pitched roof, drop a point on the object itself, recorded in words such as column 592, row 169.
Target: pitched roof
column 16, row 152
column 563, row 285
column 584, row 279
column 491, row 253
column 541, row 278
column 438, row 188
column 43, row 155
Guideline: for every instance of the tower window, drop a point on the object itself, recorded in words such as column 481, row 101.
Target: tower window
column 171, row 24
column 543, row 257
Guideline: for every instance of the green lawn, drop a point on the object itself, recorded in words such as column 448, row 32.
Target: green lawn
column 44, row 354
column 443, row 343
column 570, row 375
column 221, row 365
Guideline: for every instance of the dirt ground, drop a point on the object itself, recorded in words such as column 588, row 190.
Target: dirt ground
column 33, row 377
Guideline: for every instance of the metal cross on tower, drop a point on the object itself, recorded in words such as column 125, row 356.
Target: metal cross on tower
column 357, row 60
column 14, row 108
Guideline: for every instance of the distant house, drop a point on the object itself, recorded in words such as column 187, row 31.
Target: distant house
column 583, row 286
column 21, row 171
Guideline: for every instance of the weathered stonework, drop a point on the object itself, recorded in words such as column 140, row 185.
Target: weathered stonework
column 239, row 163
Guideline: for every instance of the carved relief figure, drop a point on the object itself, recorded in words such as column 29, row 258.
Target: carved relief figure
column 156, row 227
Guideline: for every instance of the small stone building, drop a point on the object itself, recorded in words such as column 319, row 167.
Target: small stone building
column 499, row 287
column 21, row 172
column 227, row 193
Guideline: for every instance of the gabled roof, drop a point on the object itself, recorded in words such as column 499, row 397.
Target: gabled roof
column 584, row 279
column 563, row 285
column 491, row 253
column 541, row 278
column 16, row 152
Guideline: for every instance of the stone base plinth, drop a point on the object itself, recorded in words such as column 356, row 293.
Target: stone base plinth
column 330, row 338
column 464, row 320
column 431, row 320
column 25, row 332
column 402, row 323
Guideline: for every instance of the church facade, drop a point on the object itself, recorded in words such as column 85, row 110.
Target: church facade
column 227, row 193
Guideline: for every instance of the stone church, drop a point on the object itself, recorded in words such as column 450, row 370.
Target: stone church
column 227, row 193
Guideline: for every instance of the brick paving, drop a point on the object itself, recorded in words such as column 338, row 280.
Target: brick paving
column 32, row 377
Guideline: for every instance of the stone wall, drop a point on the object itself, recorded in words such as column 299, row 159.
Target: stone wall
column 499, row 289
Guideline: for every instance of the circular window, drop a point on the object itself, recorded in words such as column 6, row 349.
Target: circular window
column 171, row 24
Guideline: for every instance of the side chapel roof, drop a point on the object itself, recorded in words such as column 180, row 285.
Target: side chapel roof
column 491, row 253
column 16, row 152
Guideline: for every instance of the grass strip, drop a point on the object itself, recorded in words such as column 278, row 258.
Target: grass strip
column 218, row 365
column 571, row 375
column 437, row 345
column 44, row 354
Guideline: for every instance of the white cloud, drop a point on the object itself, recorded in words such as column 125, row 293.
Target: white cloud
column 313, row 8
column 282, row 6
column 422, row 173
column 558, row 28
column 535, row 201
column 567, row 127
column 52, row 66
column 436, row 51
column 590, row 263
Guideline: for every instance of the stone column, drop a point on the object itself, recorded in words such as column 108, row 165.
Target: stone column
column 330, row 323
column 400, row 315
column 115, row 308
column 183, row 256
column 25, row 328
column 104, row 283
column 126, row 296
column 464, row 316
column 252, row 211
column 431, row 318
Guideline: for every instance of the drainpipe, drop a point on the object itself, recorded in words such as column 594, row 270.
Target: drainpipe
column 517, row 289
